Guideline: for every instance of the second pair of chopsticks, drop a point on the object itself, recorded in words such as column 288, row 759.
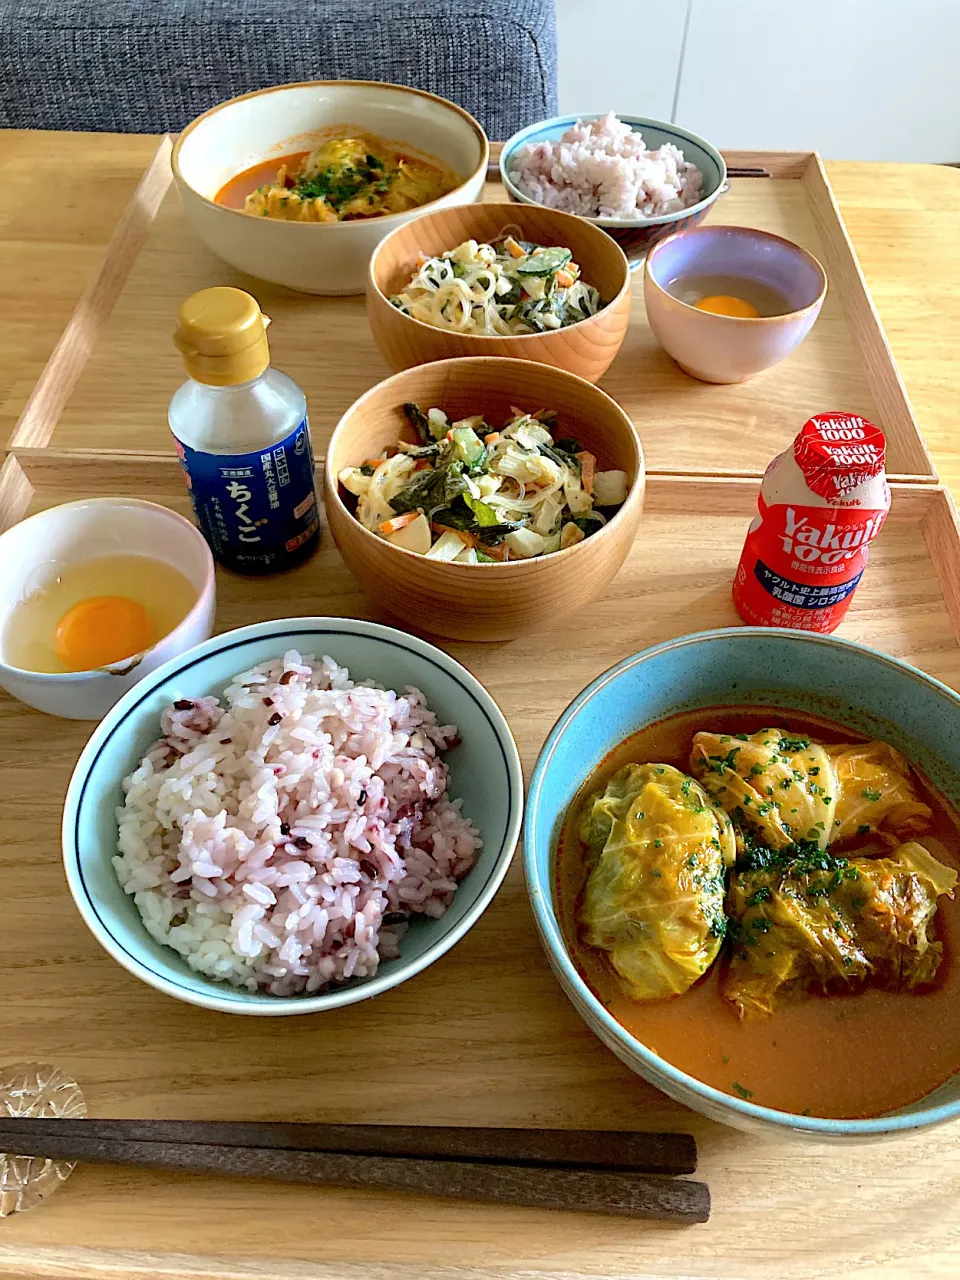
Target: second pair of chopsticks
column 599, row 1171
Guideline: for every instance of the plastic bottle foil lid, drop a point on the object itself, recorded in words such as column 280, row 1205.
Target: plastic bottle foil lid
column 221, row 334
column 838, row 452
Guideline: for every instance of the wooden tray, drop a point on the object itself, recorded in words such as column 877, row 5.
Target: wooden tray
column 109, row 381
column 485, row 1036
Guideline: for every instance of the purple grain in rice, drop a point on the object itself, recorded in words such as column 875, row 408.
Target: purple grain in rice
column 603, row 169
column 246, row 848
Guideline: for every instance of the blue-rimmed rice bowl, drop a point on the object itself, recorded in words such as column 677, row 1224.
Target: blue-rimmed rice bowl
column 484, row 771
column 634, row 238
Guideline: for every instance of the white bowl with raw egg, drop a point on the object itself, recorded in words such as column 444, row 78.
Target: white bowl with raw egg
column 93, row 595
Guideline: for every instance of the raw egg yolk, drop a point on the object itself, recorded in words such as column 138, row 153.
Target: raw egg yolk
column 101, row 630
column 722, row 304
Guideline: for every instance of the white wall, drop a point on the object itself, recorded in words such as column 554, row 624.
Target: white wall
column 613, row 57
column 853, row 79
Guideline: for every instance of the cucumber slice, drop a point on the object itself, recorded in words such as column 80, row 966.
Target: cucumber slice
column 467, row 445
column 545, row 262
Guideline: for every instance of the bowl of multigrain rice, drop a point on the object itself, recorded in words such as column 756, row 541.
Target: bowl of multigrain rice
column 637, row 178
column 293, row 816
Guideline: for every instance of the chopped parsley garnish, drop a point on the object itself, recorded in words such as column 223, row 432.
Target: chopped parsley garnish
column 871, row 795
column 743, row 1091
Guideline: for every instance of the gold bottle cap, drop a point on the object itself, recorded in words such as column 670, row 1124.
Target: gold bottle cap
column 221, row 336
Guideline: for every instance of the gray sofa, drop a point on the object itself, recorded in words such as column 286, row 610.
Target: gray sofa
column 142, row 66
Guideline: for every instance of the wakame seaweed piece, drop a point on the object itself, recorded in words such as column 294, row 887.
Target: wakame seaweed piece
column 456, row 516
column 492, row 535
column 419, row 421
column 429, row 491
column 588, row 523
column 568, row 445
column 423, row 450
column 513, row 296
column 531, row 313
column 460, row 515
column 559, row 453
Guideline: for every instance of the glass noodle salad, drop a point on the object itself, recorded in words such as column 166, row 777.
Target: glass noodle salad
column 509, row 287
column 475, row 495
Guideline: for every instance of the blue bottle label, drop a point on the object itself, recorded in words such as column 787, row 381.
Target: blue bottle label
column 256, row 510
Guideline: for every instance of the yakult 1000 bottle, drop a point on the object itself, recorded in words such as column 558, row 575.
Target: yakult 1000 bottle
column 821, row 503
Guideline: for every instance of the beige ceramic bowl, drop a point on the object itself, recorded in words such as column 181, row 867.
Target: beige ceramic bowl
column 486, row 601
column 718, row 348
column 586, row 348
column 327, row 258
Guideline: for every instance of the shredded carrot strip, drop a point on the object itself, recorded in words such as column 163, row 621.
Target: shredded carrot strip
column 398, row 522
column 467, row 538
column 514, row 249
column 492, row 438
column 564, row 280
column 588, row 469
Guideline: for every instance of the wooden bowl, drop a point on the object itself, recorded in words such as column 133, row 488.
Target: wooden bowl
column 586, row 348
column 484, row 601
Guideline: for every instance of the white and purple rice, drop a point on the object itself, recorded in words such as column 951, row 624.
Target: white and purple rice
column 602, row 169
column 282, row 842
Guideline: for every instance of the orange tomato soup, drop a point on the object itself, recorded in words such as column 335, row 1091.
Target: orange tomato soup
column 233, row 193
column 845, row 1056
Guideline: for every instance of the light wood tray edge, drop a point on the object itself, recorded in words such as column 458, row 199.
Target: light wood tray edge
column 38, row 421
column 931, row 506
column 54, row 387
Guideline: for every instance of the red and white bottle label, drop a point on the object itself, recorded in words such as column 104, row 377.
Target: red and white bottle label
column 801, row 565
column 803, row 558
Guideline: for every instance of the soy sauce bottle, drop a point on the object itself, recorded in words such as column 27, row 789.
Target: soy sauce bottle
column 242, row 437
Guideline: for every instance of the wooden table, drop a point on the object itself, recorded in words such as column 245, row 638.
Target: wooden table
column 882, row 1211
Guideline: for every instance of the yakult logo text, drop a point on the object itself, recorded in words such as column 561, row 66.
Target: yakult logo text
column 825, row 544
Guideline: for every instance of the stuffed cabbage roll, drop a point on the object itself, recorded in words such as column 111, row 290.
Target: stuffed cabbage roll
column 654, row 899
column 802, row 923
column 875, row 793
column 782, row 788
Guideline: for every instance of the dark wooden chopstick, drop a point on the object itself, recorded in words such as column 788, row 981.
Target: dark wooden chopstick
column 631, row 1195
column 663, row 1153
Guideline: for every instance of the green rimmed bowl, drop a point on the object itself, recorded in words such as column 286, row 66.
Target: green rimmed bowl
column 634, row 236
column 484, row 771
column 847, row 683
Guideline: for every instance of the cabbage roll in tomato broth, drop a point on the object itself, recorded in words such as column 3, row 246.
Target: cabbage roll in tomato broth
column 782, row 788
column 654, row 898
column 875, row 794
column 818, row 922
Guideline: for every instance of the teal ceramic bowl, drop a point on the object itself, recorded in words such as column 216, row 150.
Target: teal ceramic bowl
column 848, row 683
column 633, row 237
column 484, row 770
